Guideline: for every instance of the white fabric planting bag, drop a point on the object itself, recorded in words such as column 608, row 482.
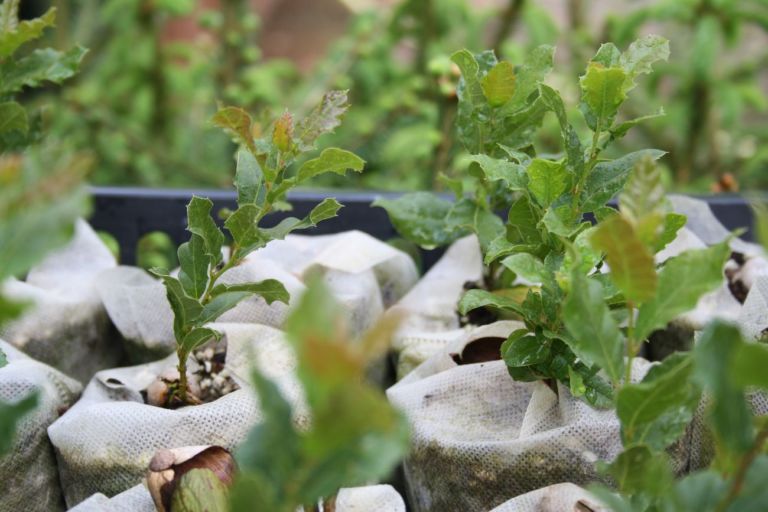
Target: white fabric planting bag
column 105, row 442
column 374, row 498
column 365, row 275
column 29, row 479
column 431, row 320
column 564, row 497
column 67, row 326
column 479, row 437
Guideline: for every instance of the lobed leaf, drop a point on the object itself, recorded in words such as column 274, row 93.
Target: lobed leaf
column 186, row 310
column 330, row 160
column 44, row 65
column 12, row 37
column 467, row 215
column 200, row 223
column 249, row 180
column 538, row 64
column 194, row 266
column 327, row 209
column 324, row 118
column 237, row 123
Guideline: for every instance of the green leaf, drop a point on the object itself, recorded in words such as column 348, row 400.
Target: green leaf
column 197, row 337
column 199, row 490
column 327, row 209
column 602, row 92
column 547, row 180
column 657, row 411
column 595, row 336
column 219, row 305
column 469, row 74
column 643, row 194
column 499, row 169
column 633, row 268
column 672, row 223
column 524, row 349
column 249, row 180
column 522, row 219
column 474, row 299
column 469, row 215
column 573, row 147
column 271, row 449
column 186, row 310
column 237, row 123
column 202, row 224
column 681, row 283
column 499, row 84
column 640, row 470
column 563, row 220
column 324, row 118
column 270, row 290
column 749, row 364
column 3, row 359
column 25, row 31
column 10, row 416
column 608, row 178
column 420, row 218
column 700, row 491
column 242, row 226
column 39, row 205
column 729, row 414
column 45, row 65
column 538, row 64
column 527, row 266
column 13, row 117
column 194, row 266
column 330, row 160
column 643, row 53
column 620, row 130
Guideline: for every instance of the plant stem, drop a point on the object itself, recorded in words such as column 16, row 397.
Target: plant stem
column 741, row 473
column 509, row 19
column 182, row 367
column 631, row 348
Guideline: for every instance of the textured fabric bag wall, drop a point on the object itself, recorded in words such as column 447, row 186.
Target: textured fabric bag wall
column 565, row 497
column 105, row 442
column 365, row 274
column 67, row 327
column 479, row 437
column 431, row 320
column 29, row 479
column 373, row 498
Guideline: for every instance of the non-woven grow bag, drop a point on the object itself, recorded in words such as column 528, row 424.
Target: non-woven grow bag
column 105, row 442
column 565, row 497
column 66, row 325
column 29, row 479
column 430, row 307
column 479, row 437
column 364, row 274
column 373, row 498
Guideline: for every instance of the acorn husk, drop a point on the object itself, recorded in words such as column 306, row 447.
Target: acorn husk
column 168, row 466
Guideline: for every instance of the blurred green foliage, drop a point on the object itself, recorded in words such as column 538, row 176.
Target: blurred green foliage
column 159, row 68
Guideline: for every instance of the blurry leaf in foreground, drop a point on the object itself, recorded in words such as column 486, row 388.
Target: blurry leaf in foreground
column 10, row 416
column 355, row 436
